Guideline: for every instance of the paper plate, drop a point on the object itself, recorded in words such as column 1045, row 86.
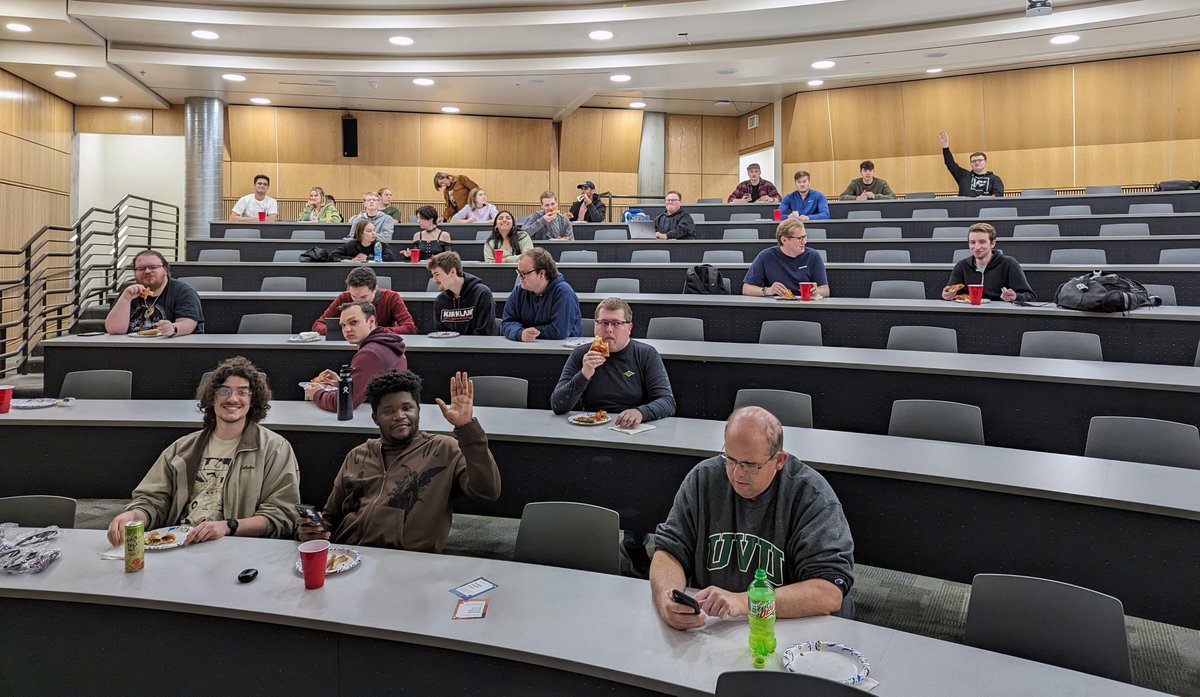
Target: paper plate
column 583, row 419
column 340, row 559
column 572, row 343
column 968, row 302
column 147, row 336
column 326, row 386
column 443, row 335
column 38, row 403
column 792, row 299
column 297, row 339
column 827, row 659
column 169, row 537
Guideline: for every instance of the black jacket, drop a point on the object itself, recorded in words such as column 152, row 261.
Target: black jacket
column 595, row 212
column 352, row 249
column 971, row 184
column 472, row 312
column 1001, row 272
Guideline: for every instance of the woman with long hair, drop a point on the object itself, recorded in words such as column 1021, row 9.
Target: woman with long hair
column 362, row 246
column 508, row 238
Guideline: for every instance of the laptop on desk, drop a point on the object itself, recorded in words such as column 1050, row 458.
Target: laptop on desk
column 641, row 230
column 333, row 329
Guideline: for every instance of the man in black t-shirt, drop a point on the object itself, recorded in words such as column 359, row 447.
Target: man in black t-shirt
column 153, row 302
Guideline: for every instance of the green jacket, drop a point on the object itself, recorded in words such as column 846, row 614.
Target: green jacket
column 327, row 214
column 878, row 186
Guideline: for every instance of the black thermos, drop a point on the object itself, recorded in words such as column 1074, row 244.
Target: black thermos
column 345, row 394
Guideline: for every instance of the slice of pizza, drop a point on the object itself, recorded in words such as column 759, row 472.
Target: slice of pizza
column 600, row 346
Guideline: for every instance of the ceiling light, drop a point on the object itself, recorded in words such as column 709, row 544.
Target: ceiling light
column 721, row 102
column 637, row 105
column 450, row 109
column 1064, row 39
column 206, row 34
column 233, row 77
column 619, row 78
column 600, row 35
column 936, row 54
column 110, row 100
column 933, row 70
column 13, row 26
column 64, row 73
column 823, row 65
column 259, row 100
column 400, row 40
column 815, row 83
column 726, row 71
column 422, row 81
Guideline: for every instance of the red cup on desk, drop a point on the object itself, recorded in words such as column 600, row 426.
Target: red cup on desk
column 262, row 217
column 976, row 291
column 414, row 255
column 6, row 393
column 314, row 554
column 498, row 256
column 778, row 215
column 806, row 290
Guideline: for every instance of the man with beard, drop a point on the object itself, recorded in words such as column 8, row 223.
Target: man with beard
column 153, row 304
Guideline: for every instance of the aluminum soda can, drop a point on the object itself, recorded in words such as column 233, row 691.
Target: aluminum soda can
column 135, row 546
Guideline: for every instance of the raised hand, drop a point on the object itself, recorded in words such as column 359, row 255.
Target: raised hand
column 944, row 139
column 462, row 401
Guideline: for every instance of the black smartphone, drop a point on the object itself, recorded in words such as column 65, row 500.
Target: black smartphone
column 685, row 599
column 308, row 511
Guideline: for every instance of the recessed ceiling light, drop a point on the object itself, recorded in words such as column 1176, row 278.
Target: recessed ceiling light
column 422, row 81
column 637, row 105
column 233, row 77
column 536, row 81
column 450, row 109
column 110, row 100
column 815, row 83
column 64, row 73
column 823, row 65
column 206, row 34
column 259, row 100
column 13, row 26
column 933, row 70
column 936, row 54
column 619, row 78
column 600, row 35
column 400, row 40
column 721, row 102
column 1065, row 39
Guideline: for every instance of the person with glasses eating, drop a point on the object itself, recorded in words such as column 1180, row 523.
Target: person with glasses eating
column 154, row 305
column 753, row 506
column 780, row 270
column 541, row 305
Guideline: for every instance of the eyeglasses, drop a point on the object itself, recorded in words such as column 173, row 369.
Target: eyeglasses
column 977, row 160
column 747, row 465
column 611, row 322
column 224, row 391
column 522, row 274
column 797, row 237
column 143, row 269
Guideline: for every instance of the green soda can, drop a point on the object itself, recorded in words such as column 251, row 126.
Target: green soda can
column 135, row 546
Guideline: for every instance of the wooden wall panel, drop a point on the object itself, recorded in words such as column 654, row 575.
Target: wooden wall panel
column 253, row 134
column 35, row 160
column 1035, row 168
column 312, row 136
column 759, row 137
column 805, row 129
column 1123, row 101
column 10, row 102
column 621, row 140
column 869, row 123
column 296, row 178
column 717, row 185
column 820, row 176
column 518, row 143
column 1186, row 160
column 690, row 185
column 450, row 142
column 1185, row 98
column 718, row 145
column 241, row 177
column 99, row 119
column 1125, row 163
column 683, row 143
column 513, row 185
column 579, row 146
column 1025, row 109
column 169, row 122
column 952, row 104
column 385, row 139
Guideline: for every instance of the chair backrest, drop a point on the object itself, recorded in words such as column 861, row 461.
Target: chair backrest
column 814, row 233
column 1151, row 208
column 589, row 326
column 858, row 215
column 1079, row 346
column 887, row 256
column 904, row 290
column 431, row 286
column 571, row 535
column 1038, row 192
column 200, row 385
column 679, row 328
column 37, row 511
column 219, row 255
column 579, row 256
column 710, row 200
column 756, row 683
column 1164, row 291
column 286, row 255
column 650, row 256
column 998, row 212
column 1049, row 621
column 1138, row 439
column 1102, row 189
column 920, row 194
column 284, row 284
column 265, row 323
column 1036, row 230
column 1070, row 210
column 791, row 408
column 1125, row 230
column 203, row 283
column 920, row 338
column 501, row 391
column 608, row 235
column 697, row 217
column 97, row 384
column 959, row 255
column 723, row 256
column 1187, row 255
column 958, row 232
column 1078, row 256
column 882, row 233
column 919, row 213
column 740, row 233
column 308, row 234
column 934, row 419
column 382, row 281
column 618, row 286
column 482, row 235
column 792, row 332
column 734, row 217
column 238, row 233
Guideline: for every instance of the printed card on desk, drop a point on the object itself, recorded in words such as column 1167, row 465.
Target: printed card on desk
column 470, row 609
column 473, row 588
column 640, row 428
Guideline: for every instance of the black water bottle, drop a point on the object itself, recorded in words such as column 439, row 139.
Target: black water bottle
column 345, row 394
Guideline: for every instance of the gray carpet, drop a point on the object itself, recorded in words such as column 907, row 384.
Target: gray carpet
column 1165, row 657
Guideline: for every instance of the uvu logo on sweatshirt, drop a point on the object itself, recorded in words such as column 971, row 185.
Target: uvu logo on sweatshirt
column 459, row 314
column 725, row 548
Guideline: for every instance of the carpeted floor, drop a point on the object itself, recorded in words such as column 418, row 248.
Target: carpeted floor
column 1165, row 657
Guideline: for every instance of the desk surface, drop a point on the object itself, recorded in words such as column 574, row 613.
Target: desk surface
column 534, row 616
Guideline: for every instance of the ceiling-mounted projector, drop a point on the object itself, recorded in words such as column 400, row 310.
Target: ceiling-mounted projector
column 1037, row 8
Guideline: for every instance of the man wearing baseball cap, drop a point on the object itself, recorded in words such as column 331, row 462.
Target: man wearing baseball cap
column 587, row 208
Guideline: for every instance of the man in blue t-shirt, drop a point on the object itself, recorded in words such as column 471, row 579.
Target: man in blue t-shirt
column 780, row 270
column 804, row 203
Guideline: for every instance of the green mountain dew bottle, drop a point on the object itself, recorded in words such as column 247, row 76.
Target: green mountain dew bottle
column 761, row 597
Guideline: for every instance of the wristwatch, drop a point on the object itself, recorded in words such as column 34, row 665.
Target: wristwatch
column 233, row 526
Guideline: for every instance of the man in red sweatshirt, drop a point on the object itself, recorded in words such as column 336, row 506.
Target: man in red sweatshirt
column 378, row 352
column 390, row 311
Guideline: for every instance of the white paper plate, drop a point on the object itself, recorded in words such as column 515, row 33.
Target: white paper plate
column 827, row 659
column 572, row 343
column 297, row 339
column 340, row 559
column 37, row 403
column 160, row 335
column 968, row 302
column 175, row 533
column 443, row 335
column 575, row 419
column 326, row 386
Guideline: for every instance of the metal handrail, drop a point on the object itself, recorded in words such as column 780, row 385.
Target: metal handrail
column 61, row 271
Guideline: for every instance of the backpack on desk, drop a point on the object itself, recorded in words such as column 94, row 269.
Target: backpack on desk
column 317, row 255
column 1103, row 292
column 704, row 279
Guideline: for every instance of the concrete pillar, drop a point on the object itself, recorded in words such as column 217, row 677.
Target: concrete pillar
column 652, row 158
column 204, row 140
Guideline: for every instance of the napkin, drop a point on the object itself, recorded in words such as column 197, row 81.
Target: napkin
column 640, row 428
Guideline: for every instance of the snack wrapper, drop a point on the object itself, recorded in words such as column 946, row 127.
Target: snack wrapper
column 29, row 552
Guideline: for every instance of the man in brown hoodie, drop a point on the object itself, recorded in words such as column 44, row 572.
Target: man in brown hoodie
column 395, row 491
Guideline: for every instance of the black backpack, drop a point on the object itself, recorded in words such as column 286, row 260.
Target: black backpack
column 316, row 254
column 1177, row 185
column 704, row 279
column 1103, row 292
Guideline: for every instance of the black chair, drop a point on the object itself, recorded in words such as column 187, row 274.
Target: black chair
column 215, row 255
column 1165, row 292
column 1135, row 439
column 570, row 535
column 926, row 213
column 998, row 212
column 1187, row 255
column 791, row 332
column 1125, row 230
column 203, row 283
column 791, row 408
column 97, row 384
column 903, row 290
column 1089, row 190
column 934, row 419
column 38, row 511
column 921, row 338
column 1036, row 230
column 760, row 683
column 887, row 256
column 1078, row 255
column 1059, row 211
column 1151, row 208
column 882, row 233
column 1038, row 192
column 950, row 233
column 1080, row 346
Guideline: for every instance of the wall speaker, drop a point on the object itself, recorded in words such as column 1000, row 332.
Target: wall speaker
column 349, row 136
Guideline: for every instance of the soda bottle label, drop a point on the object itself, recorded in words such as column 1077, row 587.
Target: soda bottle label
column 762, row 609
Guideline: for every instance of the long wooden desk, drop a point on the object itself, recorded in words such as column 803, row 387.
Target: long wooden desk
column 940, row 509
column 1031, row 403
column 548, row 631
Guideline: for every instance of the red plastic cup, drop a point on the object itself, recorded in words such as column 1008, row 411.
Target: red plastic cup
column 806, row 290
column 414, row 255
column 6, row 393
column 314, row 554
column 262, row 217
column 778, row 215
column 976, row 291
column 498, row 256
